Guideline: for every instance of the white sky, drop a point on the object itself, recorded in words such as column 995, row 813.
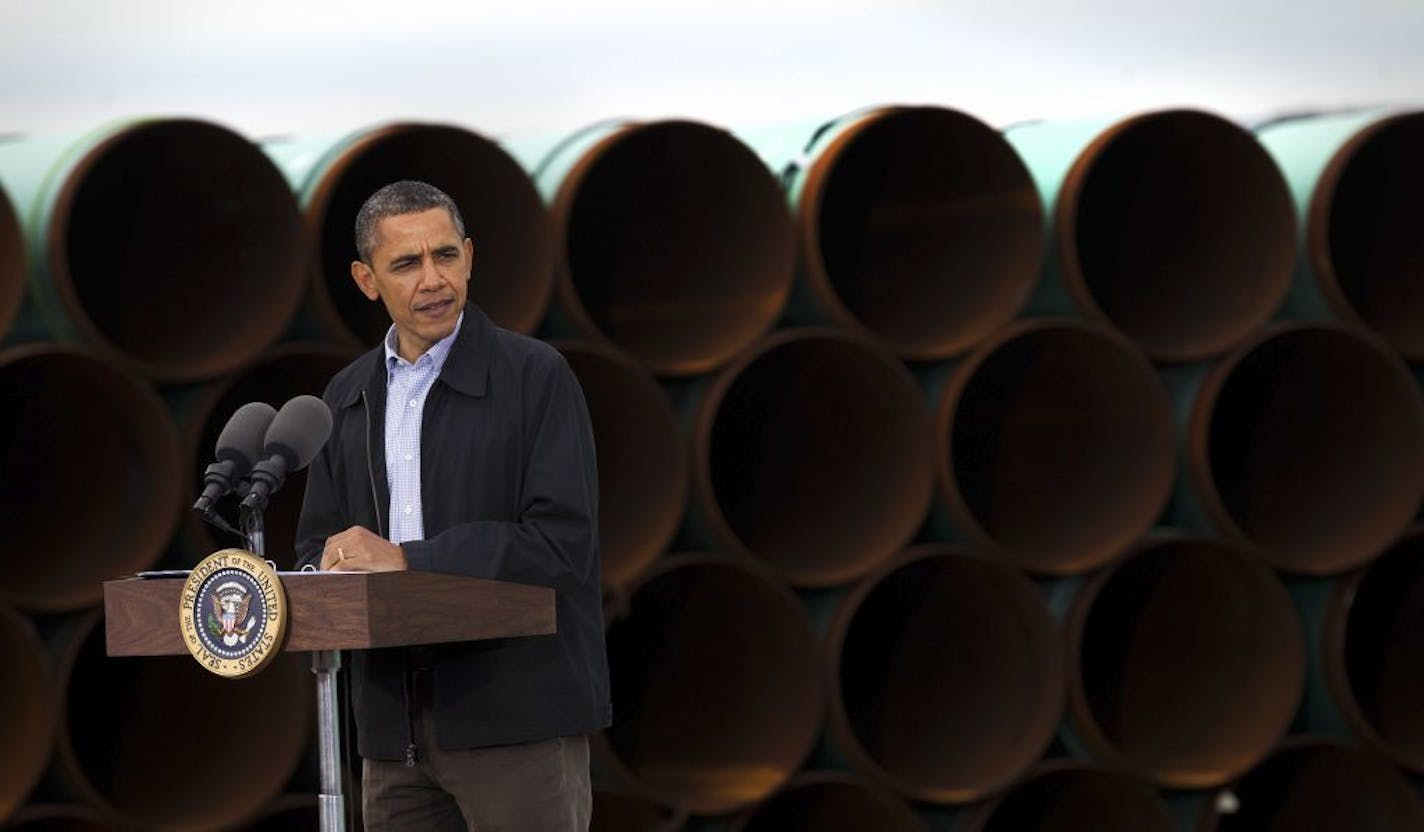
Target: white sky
column 266, row 67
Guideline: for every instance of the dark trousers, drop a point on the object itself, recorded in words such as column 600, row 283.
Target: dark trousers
column 532, row 787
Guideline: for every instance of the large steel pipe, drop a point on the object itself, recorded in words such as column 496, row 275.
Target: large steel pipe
column 1054, row 445
column 1317, row 785
column 825, row 801
column 27, row 709
column 174, row 245
column 1066, row 796
column 642, row 464
column 811, row 451
column 1371, row 641
column 718, row 677
column 919, row 226
column 1174, row 226
column 161, row 742
column 277, row 376
column 1187, row 663
column 1356, row 179
column 676, row 243
column 89, row 476
column 514, row 241
column 12, row 264
column 1307, row 446
column 946, row 675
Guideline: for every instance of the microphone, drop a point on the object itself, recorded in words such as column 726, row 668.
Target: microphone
column 238, row 447
column 298, row 431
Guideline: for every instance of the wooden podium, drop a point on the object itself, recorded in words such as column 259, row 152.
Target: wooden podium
column 333, row 611
column 344, row 611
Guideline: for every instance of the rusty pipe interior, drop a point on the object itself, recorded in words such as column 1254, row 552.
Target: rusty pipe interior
column 922, row 226
column 1187, row 663
column 179, row 245
column 89, row 476
column 1055, row 445
column 1308, row 445
column 1066, row 796
column 1178, row 228
column 718, row 676
column 677, row 245
column 812, row 452
column 825, row 801
column 27, row 709
column 948, row 673
column 1362, row 234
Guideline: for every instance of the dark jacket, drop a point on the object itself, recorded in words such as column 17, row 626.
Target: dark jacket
column 510, row 491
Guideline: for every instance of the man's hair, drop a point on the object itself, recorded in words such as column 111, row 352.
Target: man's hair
column 404, row 197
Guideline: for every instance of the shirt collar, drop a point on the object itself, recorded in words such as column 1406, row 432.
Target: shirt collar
column 437, row 353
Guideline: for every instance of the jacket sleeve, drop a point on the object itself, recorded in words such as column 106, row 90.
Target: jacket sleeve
column 554, row 541
column 323, row 505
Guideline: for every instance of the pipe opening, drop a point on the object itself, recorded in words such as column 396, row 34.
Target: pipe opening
column 1364, row 236
column 642, row 466
column 1062, row 797
column 167, row 234
column 717, row 710
column 88, row 477
column 12, row 264
column 950, row 676
column 1056, row 445
column 513, row 272
column 1183, row 693
column 814, row 454
column 678, row 244
column 1383, row 682
column 820, row 801
column 157, row 740
column 1321, row 784
column 922, row 226
column 288, row 371
column 293, row 813
column 1179, row 229
column 1313, row 448
column 26, row 708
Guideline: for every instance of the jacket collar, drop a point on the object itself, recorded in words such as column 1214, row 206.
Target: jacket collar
column 466, row 369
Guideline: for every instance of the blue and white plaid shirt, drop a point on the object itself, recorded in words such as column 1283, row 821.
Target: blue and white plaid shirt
column 406, row 387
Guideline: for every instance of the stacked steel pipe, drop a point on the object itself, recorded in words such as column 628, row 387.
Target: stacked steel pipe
column 1057, row 478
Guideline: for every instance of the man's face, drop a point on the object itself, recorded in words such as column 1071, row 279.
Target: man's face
column 420, row 269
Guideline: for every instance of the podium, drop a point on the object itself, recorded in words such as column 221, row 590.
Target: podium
column 332, row 611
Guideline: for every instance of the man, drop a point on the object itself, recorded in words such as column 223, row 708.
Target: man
column 462, row 448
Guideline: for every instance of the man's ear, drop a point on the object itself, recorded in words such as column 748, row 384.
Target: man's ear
column 365, row 279
column 470, row 255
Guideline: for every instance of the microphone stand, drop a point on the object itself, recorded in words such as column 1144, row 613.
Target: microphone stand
column 326, row 664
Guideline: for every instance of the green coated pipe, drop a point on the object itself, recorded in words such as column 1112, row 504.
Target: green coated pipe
column 1366, row 631
column 917, row 226
column 1186, row 661
column 171, row 245
column 1174, row 226
column 1053, row 445
column 1305, row 446
column 12, row 264
column 675, row 243
column 513, row 272
column 1356, row 179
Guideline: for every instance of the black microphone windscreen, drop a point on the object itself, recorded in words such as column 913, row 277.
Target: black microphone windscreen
column 301, row 427
column 242, row 437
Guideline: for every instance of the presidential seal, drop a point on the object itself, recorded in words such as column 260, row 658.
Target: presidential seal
column 233, row 613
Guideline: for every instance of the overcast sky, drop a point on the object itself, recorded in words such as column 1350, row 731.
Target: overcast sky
column 268, row 67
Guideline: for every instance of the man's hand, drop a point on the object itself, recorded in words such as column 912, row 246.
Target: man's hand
column 358, row 549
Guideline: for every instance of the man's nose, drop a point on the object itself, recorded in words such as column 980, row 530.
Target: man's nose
column 430, row 276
